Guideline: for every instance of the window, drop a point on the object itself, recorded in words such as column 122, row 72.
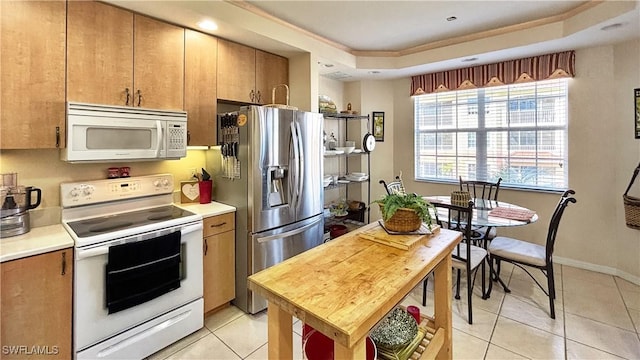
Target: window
column 515, row 132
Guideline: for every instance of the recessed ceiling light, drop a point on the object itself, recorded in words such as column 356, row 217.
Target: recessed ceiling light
column 374, row 72
column 612, row 26
column 452, row 18
column 207, row 25
column 470, row 59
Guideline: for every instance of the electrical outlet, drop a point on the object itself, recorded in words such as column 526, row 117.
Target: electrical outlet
column 193, row 172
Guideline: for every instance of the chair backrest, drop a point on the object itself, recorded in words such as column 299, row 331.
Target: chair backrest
column 565, row 199
column 457, row 218
column 481, row 189
column 394, row 187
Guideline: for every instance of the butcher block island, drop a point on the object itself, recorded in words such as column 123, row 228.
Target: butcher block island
column 343, row 288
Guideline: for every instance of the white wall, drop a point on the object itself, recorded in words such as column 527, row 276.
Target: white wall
column 44, row 169
column 602, row 156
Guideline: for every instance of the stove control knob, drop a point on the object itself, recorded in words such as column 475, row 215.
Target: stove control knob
column 75, row 192
column 165, row 182
column 156, row 183
column 88, row 190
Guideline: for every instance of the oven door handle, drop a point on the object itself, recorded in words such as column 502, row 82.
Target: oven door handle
column 104, row 249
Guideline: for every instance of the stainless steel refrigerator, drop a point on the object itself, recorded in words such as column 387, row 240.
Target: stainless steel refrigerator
column 275, row 182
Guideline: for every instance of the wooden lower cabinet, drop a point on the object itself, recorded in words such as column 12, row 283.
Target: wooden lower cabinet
column 36, row 306
column 219, row 260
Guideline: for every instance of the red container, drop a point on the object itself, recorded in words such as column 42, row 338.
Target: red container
column 415, row 312
column 205, row 187
column 319, row 347
column 113, row 173
column 337, row 230
column 125, row 171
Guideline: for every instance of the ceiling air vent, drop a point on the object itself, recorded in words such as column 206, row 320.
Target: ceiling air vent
column 336, row 75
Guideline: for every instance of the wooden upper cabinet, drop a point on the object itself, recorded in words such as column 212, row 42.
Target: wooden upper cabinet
column 236, row 72
column 200, row 103
column 32, row 81
column 37, row 304
column 158, row 70
column 271, row 70
column 99, row 53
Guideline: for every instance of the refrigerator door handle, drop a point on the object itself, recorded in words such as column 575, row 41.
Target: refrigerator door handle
column 300, row 164
column 286, row 234
column 296, row 160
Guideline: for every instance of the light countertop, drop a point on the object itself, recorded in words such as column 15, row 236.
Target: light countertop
column 207, row 210
column 49, row 238
column 39, row 240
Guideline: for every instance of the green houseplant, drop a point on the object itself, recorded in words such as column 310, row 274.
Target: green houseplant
column 404, row 212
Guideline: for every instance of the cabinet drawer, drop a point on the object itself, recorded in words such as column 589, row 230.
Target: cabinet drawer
column 218, row 224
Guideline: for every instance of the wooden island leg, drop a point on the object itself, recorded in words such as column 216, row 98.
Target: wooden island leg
column 358, row 351
column 280, row 333
column 442, row 303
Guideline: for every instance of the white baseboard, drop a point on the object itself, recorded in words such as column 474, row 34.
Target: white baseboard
column 597, row 268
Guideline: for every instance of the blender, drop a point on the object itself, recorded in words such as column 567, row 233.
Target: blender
column 16, row 202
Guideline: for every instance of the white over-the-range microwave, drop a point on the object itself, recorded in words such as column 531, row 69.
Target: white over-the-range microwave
column 102, row 133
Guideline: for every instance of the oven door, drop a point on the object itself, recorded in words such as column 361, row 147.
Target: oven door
column 125, row 282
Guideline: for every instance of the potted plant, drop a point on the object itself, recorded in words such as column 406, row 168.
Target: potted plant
column 404, row 212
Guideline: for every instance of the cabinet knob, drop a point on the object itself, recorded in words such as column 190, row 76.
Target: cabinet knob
column 206, row 246
column 252, row 96
column 127, row 96
column 258, row 96
column 139, row 93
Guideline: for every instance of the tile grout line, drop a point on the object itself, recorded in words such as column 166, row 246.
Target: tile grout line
column 564, row 314
column 635, row 327
column 497, row 317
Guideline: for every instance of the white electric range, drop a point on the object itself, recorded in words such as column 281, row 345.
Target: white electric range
column 138, row 266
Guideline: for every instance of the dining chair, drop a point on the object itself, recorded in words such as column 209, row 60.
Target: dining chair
column 485, row 190
column 466, row 256
column 522, row 253
column 394, row 187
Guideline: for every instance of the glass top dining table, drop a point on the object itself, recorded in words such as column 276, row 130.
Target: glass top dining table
column 482, row 214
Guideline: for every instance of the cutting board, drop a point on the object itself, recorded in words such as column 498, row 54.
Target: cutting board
column 404, row 241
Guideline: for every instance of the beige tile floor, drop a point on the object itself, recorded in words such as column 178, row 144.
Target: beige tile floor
column 597, row 317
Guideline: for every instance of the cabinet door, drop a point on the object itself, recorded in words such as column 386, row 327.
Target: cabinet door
column 236, row 72
column 32, row 115
column 99, row 53
column 219, row 270
column 36, row 305
column 158, row 71
column 271, row 70
column 200, row 72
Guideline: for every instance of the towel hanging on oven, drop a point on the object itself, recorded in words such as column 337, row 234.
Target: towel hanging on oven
column 142, row 271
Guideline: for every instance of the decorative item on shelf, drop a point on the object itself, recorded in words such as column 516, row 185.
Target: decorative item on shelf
column 326, row 105
column 339, row 208
column 332, row 142
column 460, row 198
column 404, row 212
column 349, row 111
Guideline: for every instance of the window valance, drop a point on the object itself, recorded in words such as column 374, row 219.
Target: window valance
column 534, row 68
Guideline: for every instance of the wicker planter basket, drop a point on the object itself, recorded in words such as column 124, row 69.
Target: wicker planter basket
column 404, row 220
column 632, row 205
